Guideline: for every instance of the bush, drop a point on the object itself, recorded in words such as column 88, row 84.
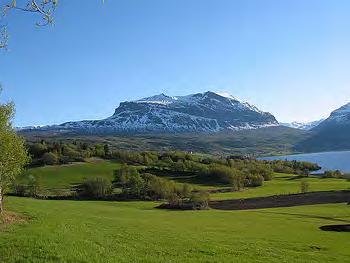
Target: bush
column 333, row 174
column 200, row 200
column 98, row 187
column 254, row 181
column 49, row 159
column 304, row 186
column 19, row 189
column 34, row 186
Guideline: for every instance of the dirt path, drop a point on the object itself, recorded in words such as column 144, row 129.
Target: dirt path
column 312, row 198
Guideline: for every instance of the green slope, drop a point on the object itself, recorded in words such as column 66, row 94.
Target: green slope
column 73, row 231
column 272, row 140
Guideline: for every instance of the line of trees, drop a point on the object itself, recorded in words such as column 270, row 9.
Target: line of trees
column 51, row 153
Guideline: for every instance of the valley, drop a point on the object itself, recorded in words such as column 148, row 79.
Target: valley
column 174, row 131
column 104, row 231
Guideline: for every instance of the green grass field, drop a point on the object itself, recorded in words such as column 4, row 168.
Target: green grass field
column 64, row 176
column 92, row 231
column 286, row 184
column 81, row 231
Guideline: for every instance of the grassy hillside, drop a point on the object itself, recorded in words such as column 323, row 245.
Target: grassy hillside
column 98, row 231
column 80, row 231
column 63, row 177
column 286, row 184
column 326, row 138
column 273, row 140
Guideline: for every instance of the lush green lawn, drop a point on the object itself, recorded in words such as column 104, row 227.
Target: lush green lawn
column 81, row 231
column 77, row 231
column 286, row 184
column 64, row 176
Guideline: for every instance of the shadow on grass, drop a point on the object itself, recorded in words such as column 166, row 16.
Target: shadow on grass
column 336, row 228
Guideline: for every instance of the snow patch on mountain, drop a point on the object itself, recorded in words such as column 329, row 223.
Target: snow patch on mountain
column 200, row 112
column 341, row 115
column 303, row 125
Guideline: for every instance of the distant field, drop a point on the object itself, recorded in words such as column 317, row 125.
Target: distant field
column 81, row 231
column 286, row 184
column 64, row 176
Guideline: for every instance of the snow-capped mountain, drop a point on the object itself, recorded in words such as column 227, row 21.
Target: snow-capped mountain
column 201, row 112
column 339, row 120
column 331, row 134
column 340, row 116
column 306, row 126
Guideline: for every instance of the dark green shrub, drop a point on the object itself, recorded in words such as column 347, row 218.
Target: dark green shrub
column 34, row 186
column 254, row 181
column 333, row 174
column 19, row 189
column 50, row 159
column 200, row 200
column 98, row 187
column 304, row 186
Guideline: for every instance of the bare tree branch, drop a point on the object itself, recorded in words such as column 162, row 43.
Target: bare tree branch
column 3, row 37
column 44, row 9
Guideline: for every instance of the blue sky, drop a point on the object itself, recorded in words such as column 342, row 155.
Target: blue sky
column 291, row 58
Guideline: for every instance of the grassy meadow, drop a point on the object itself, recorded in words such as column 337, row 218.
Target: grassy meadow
column 65, row 176
column 286, row 184
column 99, row 231
column 82, row 231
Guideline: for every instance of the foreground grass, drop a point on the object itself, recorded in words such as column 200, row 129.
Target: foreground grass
column 73, row 231
column 286, row 184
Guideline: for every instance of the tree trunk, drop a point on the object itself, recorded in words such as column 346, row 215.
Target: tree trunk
column 1, row 201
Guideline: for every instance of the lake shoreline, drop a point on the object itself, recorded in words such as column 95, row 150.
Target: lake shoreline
column 331, row 160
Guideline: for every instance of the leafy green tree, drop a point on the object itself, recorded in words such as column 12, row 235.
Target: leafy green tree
column 50, row 159
column 98, row 187
column 304, row 186
column 13, row 154
column 34, row 186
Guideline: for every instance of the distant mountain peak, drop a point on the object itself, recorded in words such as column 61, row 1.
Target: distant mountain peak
column 158, row 99
column 303, row 125
column 200, row 112
column 333, row 134
column 226, row 95
column 341, row 115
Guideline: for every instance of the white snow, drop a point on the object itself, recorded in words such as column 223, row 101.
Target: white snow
column 166, row 113
column 303, row 125
column 340, row 115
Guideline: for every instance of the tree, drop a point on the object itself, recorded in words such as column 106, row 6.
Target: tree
column 13, row 154
column 44, row 9
column 50, row 159
column 98, row 187
column 304, row 186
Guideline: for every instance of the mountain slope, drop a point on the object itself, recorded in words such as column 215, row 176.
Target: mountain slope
column 202, row 112
column 257, row 142
column 306, row 126
column 332, row 134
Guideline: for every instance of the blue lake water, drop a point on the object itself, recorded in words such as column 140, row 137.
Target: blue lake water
column 327, row 160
